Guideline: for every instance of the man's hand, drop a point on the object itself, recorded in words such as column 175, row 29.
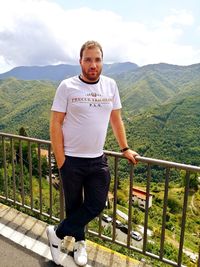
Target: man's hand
column 61, row 162
column 130, row 155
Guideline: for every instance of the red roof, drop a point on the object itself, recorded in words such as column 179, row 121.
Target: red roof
column 139, row 193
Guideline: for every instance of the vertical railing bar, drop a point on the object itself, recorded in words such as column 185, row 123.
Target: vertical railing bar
column 100, row 225
column 50, row 181
column 13, row 169
column 21, row 171
column 86, row 228
column 146, row 208
column 40, row 176
column 61, row 198
column 187, row 179
column 130, row 206
column 115, row 197
column 164, row 212
column 4, row 166
column 30, row 173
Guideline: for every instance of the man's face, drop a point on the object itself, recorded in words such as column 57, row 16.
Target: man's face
column 91, row 64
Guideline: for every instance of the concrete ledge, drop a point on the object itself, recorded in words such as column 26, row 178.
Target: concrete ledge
column 30, row 228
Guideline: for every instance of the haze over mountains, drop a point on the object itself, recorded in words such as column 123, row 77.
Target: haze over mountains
column 161, row 105
column 62, row 71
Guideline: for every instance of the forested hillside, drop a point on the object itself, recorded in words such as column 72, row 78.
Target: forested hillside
column 152, row 85
column 169, row 131
column 161, row 109
column 26, row 104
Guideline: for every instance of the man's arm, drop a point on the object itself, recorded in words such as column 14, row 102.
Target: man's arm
column 56, row 136
column 120, row 134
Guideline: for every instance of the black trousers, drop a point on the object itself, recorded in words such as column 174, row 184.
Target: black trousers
column 86, row 183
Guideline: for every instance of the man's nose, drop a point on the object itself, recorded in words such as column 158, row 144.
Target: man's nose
column 93, row 64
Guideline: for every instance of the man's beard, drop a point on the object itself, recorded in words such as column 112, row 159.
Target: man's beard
column 91, row 76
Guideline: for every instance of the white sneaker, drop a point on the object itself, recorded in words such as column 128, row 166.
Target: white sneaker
column 80, row 254
column 54, row 243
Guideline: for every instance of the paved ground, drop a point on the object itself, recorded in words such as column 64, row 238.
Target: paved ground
column 14, row 255
column 23, row 242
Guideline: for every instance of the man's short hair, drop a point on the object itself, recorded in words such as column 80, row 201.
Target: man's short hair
column 90, row 45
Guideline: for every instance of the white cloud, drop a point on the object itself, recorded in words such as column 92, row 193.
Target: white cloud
column 179, row 17
column 39, row 32
column 198, row 29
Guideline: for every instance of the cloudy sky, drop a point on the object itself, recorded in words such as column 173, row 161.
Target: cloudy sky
column 43, row 32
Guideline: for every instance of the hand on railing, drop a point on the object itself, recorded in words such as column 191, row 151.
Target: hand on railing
column 131, row 155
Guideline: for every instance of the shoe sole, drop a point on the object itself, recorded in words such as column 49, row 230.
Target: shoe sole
column 48, row 235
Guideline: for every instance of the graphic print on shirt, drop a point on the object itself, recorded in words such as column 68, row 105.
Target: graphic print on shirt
column 92, row 99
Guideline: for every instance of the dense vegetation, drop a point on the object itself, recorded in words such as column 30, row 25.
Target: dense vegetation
column 170, row 131
column 26, row 104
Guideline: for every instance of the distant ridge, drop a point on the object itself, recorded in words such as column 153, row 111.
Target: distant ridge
column 62, row 71
column 51, row 72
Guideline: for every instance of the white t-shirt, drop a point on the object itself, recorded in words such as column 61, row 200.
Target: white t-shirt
column 87, row 107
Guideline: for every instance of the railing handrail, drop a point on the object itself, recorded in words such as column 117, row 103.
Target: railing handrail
column 25, row 138
column 164, row 163
column 152, row 161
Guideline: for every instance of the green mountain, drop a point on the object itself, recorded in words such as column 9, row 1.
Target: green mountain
column 170, row 131
column 26, row 104
column 161, row 110
column 61, row 71
column 152, row 85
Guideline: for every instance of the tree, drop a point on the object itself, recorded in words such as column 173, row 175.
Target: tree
column 136, row 219
column 174, row 205
column 193, row 182
column 22, row 131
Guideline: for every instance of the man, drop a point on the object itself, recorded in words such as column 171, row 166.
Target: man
column 81, row 110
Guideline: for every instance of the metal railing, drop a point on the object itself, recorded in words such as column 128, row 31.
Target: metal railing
column 29, row 179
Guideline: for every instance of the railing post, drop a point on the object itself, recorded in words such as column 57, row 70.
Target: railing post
column 5, row 167
column 130, row 206
column 146, row 208
column 61, row 198
column 50, row 181
column 187, row 179
column 21, row 171
column 164, row 213
column 198, row 263
column 116, row 181
column 30, row 174
column 40, row 176
column 13, row 169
